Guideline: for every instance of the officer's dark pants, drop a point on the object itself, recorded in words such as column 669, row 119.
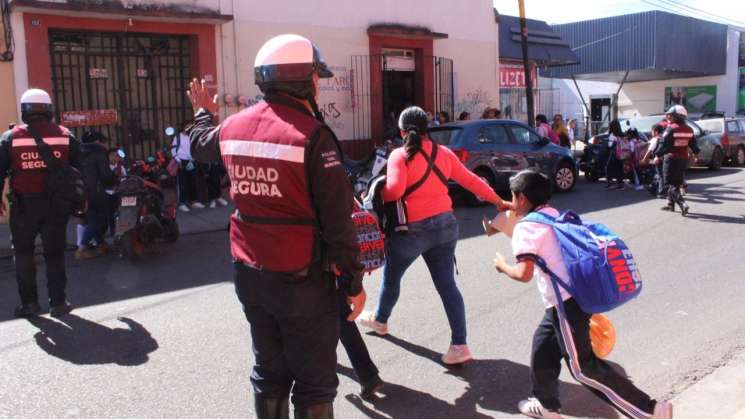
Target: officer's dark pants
column 353, row 343
column 673, row 171
column 294, row 331
column 29, row 217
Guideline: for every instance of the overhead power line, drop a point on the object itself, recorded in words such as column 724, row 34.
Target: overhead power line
column 691, row 11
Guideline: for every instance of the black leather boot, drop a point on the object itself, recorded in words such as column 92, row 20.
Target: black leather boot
column 27, row 310
column 318, row 411
column 267, row 408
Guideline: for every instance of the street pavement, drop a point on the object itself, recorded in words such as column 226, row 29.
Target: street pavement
column 165, row 336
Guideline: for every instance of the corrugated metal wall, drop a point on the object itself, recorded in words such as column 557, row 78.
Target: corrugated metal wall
column 653, row 41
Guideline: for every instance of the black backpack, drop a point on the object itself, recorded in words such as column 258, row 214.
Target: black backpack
column 65, row 184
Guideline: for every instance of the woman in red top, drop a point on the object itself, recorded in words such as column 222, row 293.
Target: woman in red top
column 432, row 227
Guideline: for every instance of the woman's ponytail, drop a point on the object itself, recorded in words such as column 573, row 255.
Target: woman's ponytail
column 413, row 121
column 413, row 143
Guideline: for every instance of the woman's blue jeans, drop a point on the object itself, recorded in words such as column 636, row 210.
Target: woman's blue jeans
column 434, row 239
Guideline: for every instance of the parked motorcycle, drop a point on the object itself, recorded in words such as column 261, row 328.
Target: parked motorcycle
column 148, row 198
column 362, row 172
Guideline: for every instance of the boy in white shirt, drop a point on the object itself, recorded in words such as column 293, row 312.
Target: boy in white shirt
column 561, row 336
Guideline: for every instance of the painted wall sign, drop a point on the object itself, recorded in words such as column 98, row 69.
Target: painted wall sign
column 98, row 73
column 696, row 99
column 90, row 118
column 513, row 75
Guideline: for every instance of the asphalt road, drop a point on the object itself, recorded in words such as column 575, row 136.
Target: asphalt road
column 166, row 337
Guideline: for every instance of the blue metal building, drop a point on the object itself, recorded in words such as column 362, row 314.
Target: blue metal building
column 652, row 45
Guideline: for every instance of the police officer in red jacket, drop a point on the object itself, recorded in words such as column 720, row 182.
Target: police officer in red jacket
column 31, row 210
column 676, row 140
column 291, row 233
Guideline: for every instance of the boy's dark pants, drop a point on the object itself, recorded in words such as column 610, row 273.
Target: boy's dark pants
column 353, row 343
column 570, row 339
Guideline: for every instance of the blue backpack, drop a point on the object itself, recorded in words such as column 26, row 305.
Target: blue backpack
column 602, row 271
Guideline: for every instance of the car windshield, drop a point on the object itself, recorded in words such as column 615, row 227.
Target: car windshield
column 644, row 123
column 713, row 125
column 445, row 135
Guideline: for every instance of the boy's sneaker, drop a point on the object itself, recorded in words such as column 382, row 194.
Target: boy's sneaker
column 457, row 354
column 639, row 188
column 663, row 410
column 367, row 319
column 183, row 208
column 197, row 205
column 222, row 202
column 532, row 407
column 684, row 210
column 213, row 204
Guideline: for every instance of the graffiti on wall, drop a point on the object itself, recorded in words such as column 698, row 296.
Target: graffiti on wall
column 333, row 114
column 473, row 102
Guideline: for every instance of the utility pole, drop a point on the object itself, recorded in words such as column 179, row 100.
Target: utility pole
column 526, row 64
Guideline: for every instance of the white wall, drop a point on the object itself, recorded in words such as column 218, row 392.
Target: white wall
column 339, row 29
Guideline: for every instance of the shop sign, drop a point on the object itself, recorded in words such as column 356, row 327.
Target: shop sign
column 90, row 118
column 696, row 99
column 98, row 73
column 513, row 76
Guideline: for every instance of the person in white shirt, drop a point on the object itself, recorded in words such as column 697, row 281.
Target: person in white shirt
column 187, row 172
column 561, row 334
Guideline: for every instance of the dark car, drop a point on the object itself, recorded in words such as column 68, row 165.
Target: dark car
column 496, row 149
column 595, row 155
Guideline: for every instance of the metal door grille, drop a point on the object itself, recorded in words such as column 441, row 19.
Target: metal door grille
column 444, row 99
column 142, row 76
column 362, row 96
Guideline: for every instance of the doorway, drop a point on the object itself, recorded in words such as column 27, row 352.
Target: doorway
column 398, row 94
column 599, row 113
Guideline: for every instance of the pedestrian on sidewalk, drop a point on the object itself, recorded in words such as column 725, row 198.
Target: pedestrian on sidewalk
column 545, row 130
column 98, row 177
column 117, row 167
column 213, row 174
column 292, row 237
column 432, row 227
column 650, row 158
column 188, row 175
column 34, row 210
column 561, row 335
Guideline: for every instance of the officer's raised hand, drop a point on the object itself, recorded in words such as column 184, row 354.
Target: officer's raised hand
column 199, row 96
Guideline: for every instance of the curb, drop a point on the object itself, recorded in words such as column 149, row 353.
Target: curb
column 720, row 394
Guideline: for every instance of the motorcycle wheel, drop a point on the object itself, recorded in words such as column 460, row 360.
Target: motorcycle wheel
column 129, row 246
column 171, row 230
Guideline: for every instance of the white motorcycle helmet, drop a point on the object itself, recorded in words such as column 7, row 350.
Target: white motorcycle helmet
column 287, row 63
column 678, row 112
column 36, row 103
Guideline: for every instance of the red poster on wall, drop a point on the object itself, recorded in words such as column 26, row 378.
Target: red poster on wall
column 89, row 118
column 513, row 75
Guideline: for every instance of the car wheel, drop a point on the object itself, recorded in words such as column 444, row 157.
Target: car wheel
column 716, row 159
column 591, row 176
column 473, row 200
column 565, row 177
column 740, row 156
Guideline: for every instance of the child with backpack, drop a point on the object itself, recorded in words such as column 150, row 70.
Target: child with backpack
column 544, row 243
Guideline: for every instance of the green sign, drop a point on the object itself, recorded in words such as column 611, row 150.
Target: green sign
column 696, row 99
column 741, row 95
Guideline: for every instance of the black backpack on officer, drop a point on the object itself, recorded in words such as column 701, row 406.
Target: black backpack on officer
column 65, row 184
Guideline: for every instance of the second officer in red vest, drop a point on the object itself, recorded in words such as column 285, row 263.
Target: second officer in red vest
column 675, row 141
column 291, row 230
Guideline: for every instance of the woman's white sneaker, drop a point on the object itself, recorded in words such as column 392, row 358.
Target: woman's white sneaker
column 663, row 410
column 367, row 319
column 457, row 354
column 222, row 202
column 532, row 407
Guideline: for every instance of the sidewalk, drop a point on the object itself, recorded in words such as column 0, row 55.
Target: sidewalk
column 193, row 222
column 719, row 395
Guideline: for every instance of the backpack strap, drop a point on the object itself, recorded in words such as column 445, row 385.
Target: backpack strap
column 431, row 167
column 44, row 150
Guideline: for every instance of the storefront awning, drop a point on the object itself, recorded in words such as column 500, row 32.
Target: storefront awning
column 404, row 31
column 545, row 47
column 194, row 13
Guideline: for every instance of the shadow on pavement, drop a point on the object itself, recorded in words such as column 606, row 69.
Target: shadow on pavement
column 493, row 385
column 83, row 342
column 193, row 261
